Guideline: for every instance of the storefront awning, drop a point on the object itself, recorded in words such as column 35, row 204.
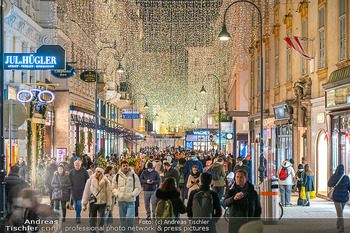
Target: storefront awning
column 338, row 76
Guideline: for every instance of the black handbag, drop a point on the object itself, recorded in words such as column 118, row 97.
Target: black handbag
column 57, row 196
column 93, row 199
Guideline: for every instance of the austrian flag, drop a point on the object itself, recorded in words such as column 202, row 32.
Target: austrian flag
column 296, row 45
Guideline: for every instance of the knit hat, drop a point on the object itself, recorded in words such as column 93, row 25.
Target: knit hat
column 61, row 165
column 100, row 169
column 300, row 166
column 291, row 161
column 149, row 165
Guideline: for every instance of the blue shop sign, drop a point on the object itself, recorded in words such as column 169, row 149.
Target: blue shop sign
column 129, row 116
column 202, row 132
column 47, row 57
column 223, row 134
column 189, row 145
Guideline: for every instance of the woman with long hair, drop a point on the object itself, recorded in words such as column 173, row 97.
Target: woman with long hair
column 193, row 180
column 169, row 203
column 308, row 183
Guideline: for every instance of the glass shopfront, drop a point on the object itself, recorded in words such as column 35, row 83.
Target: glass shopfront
column 284, row 143
column 340, row 141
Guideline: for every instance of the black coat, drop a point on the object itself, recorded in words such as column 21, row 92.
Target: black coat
column 78, row 180
column 248, row 206
column 23, row 170
column 172, row 173
column 146, row 175
column 49, row 175
column 341, row 192
column 216, row 203
column 179, row 207
column 14, row 184
column 62, row 182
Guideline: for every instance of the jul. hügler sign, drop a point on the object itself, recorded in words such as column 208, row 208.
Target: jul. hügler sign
column 48, row 57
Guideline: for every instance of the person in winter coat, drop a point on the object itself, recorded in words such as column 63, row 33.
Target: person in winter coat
column 340, row 194
column 23, row 169
column 99, row 186
column 205, row 181
column 78, row 177
column 150, row 180
column 170, row 172
column 243, row 202
column 218, row 174
column 207, row 166
column 87, row 162
column 308, row 183
column 240, row 165
column 13, row 185
column 109, row 173
column 51, row 169
column 126, row 187
column 180, row 168
column 285, row 174
column 168, row 191
column 300, row 180
column 61, row 182
column 193, row 160
column 193, row 180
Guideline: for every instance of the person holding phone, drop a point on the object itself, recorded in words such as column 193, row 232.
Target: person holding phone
column 150, row 180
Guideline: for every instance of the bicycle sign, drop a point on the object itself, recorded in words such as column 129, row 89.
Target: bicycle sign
column 26, row 96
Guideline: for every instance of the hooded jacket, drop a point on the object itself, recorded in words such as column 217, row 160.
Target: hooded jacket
column 189, row 164
column 290, row 172
column 341, row 192
column 128, row 186
column 49, row 175
column 220, row 182
column 61, row 182
column 180, row 168
column 153, row 176
column 101, row 190
column 78, row 180
column 179, row 207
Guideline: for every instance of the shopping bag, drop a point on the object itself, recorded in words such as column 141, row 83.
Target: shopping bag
column 312, row 195
column 302, row 193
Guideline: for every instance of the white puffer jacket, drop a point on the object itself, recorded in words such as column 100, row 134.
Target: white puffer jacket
column 126, row 189
column 93, row 187
column 290, row 172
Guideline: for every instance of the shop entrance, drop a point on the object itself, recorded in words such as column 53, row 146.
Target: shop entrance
column 285, row 143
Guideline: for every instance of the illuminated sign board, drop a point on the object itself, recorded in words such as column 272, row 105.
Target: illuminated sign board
column 189, row 145
column 129, row 114
column 26, row 96
column 47, row 57
column 88, row 76
column 229, row 136
column 66, row 73
column 201, row 132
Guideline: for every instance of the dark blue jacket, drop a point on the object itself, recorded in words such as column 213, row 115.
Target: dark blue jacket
column 189, row 163
column 146, row 175
column 341, row 192
column 308, row 183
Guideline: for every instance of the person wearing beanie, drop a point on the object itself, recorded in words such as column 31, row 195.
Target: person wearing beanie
column 285, row 174
column 193, row 160
column 150, row 180
column 300, row 180
column 61, row 182
column 292, row 161
column 98, row 186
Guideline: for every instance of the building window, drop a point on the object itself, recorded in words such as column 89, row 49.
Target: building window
column 342, row 30
column 259, row 73
column 289, row 60
column 267, row 83
column 304, row 44
column 252, row 79
column 321, row 37
column 277, row 83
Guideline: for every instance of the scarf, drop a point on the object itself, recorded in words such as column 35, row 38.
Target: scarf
column 195, row 175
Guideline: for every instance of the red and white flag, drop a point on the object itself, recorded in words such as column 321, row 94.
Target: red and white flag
column 296, row 45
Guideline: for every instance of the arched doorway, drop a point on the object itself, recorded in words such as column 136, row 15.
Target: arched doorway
column 322, row 162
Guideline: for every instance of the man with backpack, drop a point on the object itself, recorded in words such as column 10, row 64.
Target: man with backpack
column 126, row 187
column 204, row 203
column 150, row 179
column 285, row 174
column 218, row 174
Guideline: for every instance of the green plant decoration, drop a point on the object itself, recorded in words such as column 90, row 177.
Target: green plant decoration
column 82, row 136
column 89, row 137
column 79, row 149
column 102, row 162
column 133, row 162
column 224, row 118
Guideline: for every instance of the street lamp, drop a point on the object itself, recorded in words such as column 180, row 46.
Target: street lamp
column 203, row 91
column 132, row 113
column 120, row 68
column 96, row 101
column 224, row 35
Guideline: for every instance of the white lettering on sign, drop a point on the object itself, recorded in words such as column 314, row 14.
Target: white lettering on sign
column 30, row 60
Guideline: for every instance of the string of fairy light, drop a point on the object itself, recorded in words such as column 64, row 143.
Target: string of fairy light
column 167, row 48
